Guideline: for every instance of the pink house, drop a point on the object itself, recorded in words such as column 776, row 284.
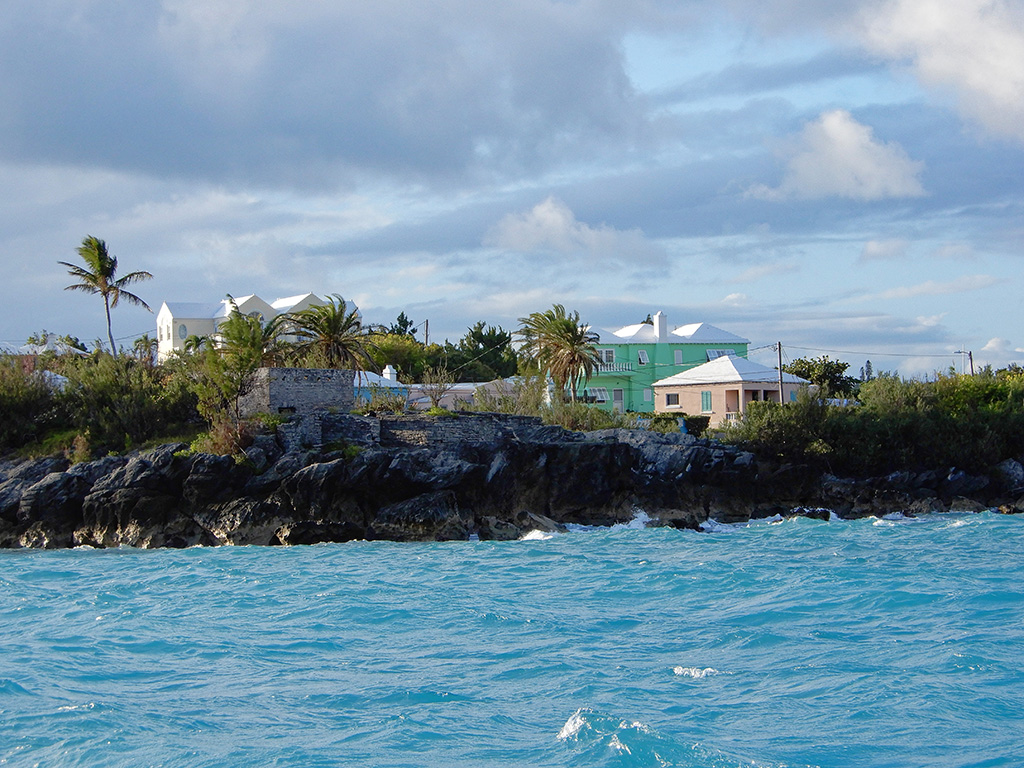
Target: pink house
column 722, row 389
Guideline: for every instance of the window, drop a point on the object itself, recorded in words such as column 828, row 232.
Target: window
column 642, row 357
column 648, row 395
column 618, row 400
column 606, row 355
column 679, row 356
column 714, row 354
column 792, row 396
column 182, row 332
column 705, row 401
column 600, row 394
column 672, row 399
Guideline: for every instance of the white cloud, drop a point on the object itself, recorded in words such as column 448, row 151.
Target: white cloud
column 735, row 299
column 933, row 288
column 930, row 321
column 884, row 250
column 974, row 48
column 551, row 226
column 1001, row 347
column 999, row 353
column 835, row 156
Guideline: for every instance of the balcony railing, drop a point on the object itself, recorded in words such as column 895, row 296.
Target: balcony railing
column 615, row 368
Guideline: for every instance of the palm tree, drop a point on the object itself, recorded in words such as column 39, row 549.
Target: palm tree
column 561, row 345
column 334, row 335
column 249, row 336
column 100, row 276
column 145, row 348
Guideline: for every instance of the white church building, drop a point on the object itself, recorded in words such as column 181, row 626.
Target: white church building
column 178, row 320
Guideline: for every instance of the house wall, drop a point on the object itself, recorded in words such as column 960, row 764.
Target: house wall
column 171, row 337
column 638, row 378
column 168, row 326
column 728, row 401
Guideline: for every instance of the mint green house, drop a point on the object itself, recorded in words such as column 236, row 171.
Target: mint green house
column 636, row 356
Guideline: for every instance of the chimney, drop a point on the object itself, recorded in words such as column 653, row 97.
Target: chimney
column 389, row 373
column 660, row 326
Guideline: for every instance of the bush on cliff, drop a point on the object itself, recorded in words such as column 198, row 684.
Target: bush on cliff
column 27, row 403
column 121, row 402
column 969, row 422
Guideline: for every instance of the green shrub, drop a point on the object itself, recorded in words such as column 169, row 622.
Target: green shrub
column 27, row 404
column 382, row 400
column 122, row 402
column 525, row 396
column 436, row 410
column 665, row 423
column 969, row 422
column 581, row 417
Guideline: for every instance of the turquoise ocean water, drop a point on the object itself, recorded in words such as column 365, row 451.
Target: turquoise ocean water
column 790, row 643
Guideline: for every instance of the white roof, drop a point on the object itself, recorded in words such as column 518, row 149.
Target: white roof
column 285, row 304
column 705, row 333
column 51, row 345
column 371, row 379
column 694, row 333
column 222, row 308
column 638, row 333
column 191, row 309
column 729, row 369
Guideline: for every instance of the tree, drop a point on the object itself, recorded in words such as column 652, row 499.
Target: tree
column 402, row 326
column 487, row 353
column 334, row 336
column 248, row 335
column 828, row 374
column 221, row 374
column 561, row 345
column 145, row 348
column 437, row 382
column 405, row 353
column 100, row 276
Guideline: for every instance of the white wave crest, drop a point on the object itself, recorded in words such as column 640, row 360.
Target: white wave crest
column 713, row 526
column 573, row 725
column 638, row 523
column 618, row 746
column 695, row 672
column 537, row 536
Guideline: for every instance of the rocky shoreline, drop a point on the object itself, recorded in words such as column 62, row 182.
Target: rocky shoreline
column 328, row 478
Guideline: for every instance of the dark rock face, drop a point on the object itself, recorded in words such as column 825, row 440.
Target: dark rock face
column 423, row 480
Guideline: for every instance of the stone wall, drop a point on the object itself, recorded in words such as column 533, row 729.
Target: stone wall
column 463, row 428
column 299, row 391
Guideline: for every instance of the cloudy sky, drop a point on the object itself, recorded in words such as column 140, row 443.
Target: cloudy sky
column 846, row 177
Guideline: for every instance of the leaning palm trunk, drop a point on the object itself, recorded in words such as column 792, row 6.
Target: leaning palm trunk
column 562, row 346
column 100, row 276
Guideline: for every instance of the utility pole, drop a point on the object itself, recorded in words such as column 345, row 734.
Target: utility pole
column 426, row 333
column 778, row 346
column 970, row 357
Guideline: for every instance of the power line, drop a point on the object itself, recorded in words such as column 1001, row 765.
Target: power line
column 866, row 354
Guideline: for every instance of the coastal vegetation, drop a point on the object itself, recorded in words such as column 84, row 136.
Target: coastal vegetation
column 963, row 421
column 90, row 404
